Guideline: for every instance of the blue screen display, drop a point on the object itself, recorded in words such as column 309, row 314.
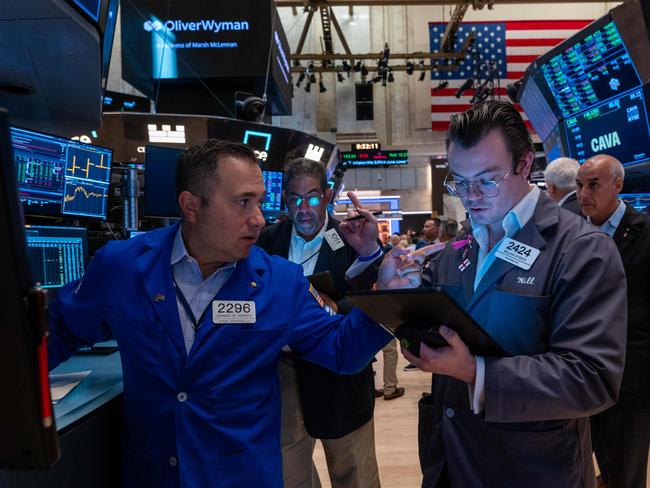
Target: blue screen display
column 273, row 198
column 57, row 176
column 57, row 255
column 594, row 69
column 618, row 127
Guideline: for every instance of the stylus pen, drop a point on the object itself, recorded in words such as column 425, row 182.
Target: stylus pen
column 359, row 217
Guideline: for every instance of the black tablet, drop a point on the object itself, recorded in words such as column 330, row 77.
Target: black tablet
column 415, row 314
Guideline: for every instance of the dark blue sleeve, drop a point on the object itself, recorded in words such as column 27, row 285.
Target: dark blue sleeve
column 344, row 344
column 77, row 316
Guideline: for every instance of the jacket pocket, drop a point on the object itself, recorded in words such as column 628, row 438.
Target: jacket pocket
column 260, row 467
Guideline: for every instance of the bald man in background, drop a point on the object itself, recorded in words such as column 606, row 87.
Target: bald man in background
column 621, row 434
column 560, row 177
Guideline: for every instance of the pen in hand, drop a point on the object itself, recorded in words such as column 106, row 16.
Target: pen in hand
column 359, row 217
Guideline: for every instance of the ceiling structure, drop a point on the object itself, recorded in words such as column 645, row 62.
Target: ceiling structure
column 444, row 59
column 384, row 3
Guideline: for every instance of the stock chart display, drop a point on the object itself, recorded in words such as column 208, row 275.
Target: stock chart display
column 57, row 176
column 591, row 71
column 56, row 255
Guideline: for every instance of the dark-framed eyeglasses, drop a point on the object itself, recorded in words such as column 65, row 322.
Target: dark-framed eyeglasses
column 295, row 199
column 485, row 188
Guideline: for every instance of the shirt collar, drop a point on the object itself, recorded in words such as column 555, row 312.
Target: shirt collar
column 566, row 197
column 515, row 219
column 614, row 220
column 317, row 238
column 179, row 252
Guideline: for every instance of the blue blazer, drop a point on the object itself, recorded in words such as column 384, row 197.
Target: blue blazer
column 210, row 418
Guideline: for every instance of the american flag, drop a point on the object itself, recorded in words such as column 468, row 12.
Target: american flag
column 510, row 45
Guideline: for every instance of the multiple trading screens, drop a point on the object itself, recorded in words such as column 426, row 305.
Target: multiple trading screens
column 586, row 96
column 160, row 186
column 60, row 177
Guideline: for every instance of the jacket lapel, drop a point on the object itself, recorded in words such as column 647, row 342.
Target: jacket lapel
column 467, row 277
column 628, row 228
column 326, row 255
column 156, row 271
column 283, row 241
column 546, row 213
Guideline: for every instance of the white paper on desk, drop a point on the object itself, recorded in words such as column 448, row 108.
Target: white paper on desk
column 63, row 383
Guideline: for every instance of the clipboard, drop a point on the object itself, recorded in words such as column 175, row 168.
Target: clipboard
column 414, row 315
column 324, row 282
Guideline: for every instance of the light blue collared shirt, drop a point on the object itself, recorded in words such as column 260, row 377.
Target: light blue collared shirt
column 512, row 223
column 609, row 227
column 198, row 292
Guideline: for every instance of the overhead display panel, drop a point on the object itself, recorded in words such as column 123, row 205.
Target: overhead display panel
column 595, row 68
column 618, row 127
column 364, row 159
column 186, row 46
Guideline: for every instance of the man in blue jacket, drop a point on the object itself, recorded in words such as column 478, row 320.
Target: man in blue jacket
column 201, row 317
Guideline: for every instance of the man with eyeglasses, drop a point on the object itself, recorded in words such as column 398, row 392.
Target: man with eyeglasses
column 549, row 288
column 317, row 403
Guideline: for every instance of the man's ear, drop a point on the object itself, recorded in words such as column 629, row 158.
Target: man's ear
column 525, row 164
column 618, row 184
column 328, row 194
column 190, row 206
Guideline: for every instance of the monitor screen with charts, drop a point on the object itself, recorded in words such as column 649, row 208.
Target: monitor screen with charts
column 60, row 177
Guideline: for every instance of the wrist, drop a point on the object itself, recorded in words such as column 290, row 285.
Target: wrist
column 368, row 254
column 470, row 375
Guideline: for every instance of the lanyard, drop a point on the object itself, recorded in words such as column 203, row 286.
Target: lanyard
column 310, row 257
column 188, row 310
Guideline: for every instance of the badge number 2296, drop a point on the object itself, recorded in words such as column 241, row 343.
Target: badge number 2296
column 233, row 312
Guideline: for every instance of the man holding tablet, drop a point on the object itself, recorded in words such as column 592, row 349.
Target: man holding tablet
column 549, row 288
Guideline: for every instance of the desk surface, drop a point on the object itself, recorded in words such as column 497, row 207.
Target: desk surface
column 102, row 385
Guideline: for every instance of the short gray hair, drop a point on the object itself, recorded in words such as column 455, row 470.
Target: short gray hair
column 305, row 167
column 562, row 172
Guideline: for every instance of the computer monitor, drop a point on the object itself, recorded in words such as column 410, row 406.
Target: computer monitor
column 160, row 182
column 60, row 177
column 272, row 204
column 57, row 255
column 618, row 127
column 29, row 438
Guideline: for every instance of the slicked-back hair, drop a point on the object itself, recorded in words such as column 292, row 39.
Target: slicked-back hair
column 197, row 167
column 305, row 167
column 467, row 129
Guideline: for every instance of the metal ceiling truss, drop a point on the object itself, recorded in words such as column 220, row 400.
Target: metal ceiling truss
column 385, row 3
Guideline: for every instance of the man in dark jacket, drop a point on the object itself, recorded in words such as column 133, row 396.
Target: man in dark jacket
column 316, row 403
column 621, row 434
column 549, row 288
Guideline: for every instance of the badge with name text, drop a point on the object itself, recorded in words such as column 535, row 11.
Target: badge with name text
column 233, row 312
column 517, row 253
column 334, row 239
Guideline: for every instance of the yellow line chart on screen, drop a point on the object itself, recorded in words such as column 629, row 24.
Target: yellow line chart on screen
column 99, row 172
column 87, row 194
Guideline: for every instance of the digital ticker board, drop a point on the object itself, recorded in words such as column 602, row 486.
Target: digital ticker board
column 364, row 159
